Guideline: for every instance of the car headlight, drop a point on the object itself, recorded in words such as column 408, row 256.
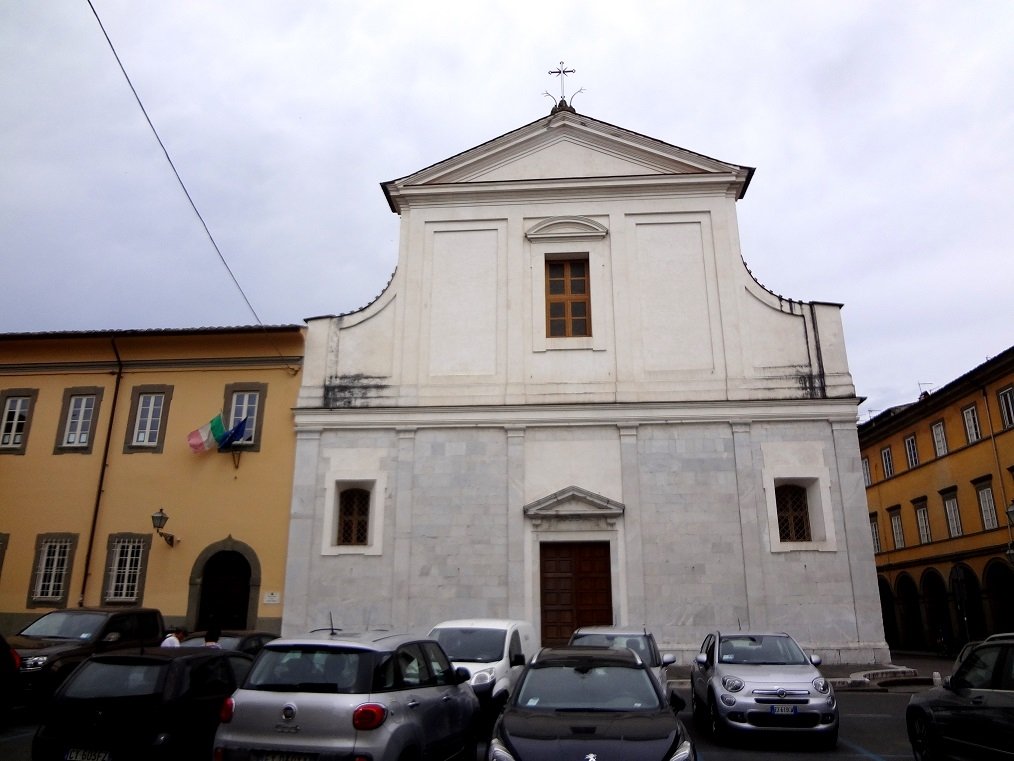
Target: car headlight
column 34, row 662
column 485, row 676
column 732, row 683
column 685, row 752
column 821, row 685
column 497, row 751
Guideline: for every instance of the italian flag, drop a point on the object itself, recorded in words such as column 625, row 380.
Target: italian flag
column 208, row 436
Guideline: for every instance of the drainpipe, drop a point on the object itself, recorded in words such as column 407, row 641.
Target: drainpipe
column 102, row 473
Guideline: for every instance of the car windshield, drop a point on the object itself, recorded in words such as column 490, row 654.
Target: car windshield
column 97, row 679
column 312, row 669
column 639, row 643
column 473, row 645
column 565, row 687
column 61, row 625
column 761, row 649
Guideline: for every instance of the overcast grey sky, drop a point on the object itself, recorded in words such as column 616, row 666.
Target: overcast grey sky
column 882, row 133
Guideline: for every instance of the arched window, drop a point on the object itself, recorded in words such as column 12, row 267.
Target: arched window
column 353, row 517
column 793, row 513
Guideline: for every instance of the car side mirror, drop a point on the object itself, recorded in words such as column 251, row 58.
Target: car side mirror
column 111, row 637
column 701, row 659
column 816, row 660
column 462, row 675
column 518, row 659
column 675, row 701
column 668, row 659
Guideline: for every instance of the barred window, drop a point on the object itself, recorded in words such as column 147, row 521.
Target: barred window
column 793, row 513
column 354, row 517
column 53, row 556
column 126, row 562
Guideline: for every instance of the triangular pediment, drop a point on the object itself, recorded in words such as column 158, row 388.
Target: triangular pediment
column 574, row 502
column 567, row 147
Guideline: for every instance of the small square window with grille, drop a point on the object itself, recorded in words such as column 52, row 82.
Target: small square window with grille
column 793, row 513
column 126, row 559
column 52, row 567
column 354, row 517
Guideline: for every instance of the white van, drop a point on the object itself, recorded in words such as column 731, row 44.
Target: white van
column 494, row 650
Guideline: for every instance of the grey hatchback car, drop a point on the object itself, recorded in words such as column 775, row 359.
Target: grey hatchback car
column 375, row 695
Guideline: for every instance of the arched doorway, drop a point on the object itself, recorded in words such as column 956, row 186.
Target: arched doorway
column 913, row 633
column 224, row 587
column 940, row 634
column 888, row 613
column 998, row 580
column 968, row 602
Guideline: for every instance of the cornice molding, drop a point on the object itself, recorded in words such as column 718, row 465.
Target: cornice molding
column 515, row 416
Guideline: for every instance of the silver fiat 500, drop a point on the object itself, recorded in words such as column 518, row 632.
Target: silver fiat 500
column 751, row 681
column 378, row 695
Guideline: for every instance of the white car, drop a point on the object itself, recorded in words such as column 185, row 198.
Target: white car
column 761, row 682
column 493, row 650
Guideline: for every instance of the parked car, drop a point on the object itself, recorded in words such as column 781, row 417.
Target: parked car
column 376, row 695
column 157, row 703
column 590, row 702
column 10, row 663
column 249, row 642
column 753, row 681
column 55, row 643
column 640, row 640
column 493, row 650
column 971, row 715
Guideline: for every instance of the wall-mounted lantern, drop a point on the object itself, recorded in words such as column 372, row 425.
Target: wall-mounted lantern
column 158, row 521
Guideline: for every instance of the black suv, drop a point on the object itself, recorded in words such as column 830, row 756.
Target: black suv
column 53, row 645
column 163, row 703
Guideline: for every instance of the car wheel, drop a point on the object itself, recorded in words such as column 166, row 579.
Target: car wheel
column 829, row 741
column 716, row 725
column 923, row 738
column 696, row 708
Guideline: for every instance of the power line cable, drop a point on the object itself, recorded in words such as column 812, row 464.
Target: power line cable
column 173, row 167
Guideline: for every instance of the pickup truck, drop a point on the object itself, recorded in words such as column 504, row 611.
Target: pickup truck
column 54, row 644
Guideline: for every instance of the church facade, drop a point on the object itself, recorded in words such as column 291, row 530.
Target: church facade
column 574, row 404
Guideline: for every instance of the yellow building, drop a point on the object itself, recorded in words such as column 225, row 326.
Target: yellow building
column 94, row 442
column 940, row 486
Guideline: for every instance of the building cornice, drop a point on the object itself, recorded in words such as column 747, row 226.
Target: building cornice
column 836, row 411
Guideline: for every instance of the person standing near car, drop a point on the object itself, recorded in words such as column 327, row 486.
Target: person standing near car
column 173, row 638
column 212, row 636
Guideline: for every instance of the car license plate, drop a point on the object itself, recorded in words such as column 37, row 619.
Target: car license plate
column 76, row 754
column 783, row 709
